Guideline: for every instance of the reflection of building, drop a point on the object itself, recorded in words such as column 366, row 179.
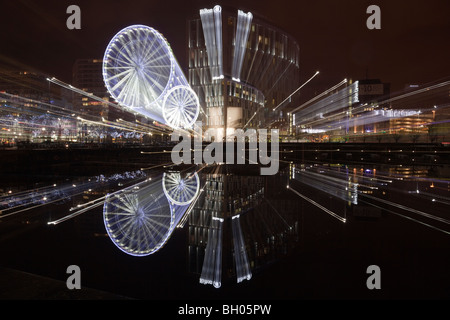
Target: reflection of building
column 241, row 68
column 234, row 228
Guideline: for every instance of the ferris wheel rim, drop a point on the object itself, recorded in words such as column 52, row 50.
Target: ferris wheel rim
column 170, row 111
column 162, row 46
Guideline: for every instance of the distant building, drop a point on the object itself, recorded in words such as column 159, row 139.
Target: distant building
column 241, row 67
column 32, row 85
column 87, row 76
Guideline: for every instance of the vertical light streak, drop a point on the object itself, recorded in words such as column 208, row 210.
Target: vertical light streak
column 218, row 25
column 243, row 271
column 212, row 30
column 212, row 264
column 240, row 46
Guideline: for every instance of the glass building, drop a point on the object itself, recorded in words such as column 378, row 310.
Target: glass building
column 241, row 68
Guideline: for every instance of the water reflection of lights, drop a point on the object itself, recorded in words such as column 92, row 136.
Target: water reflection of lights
column 212, row 264
column 17, row 202
column 140, row 219
column 403, row 191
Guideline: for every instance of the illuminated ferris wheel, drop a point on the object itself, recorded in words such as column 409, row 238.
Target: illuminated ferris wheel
column 180, row 190
column 138, row 222
column 181, row 106
column 141, row 73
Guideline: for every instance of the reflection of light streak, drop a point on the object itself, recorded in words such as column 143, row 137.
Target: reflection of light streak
column 168, row 164
column 243, row 271
column 26, row 209
column 341, row 188
column 76, row 213
column 188, row 211
column 424, row 214
column 331, row 213
column 212, row 264
column 406, row 217
column 32, row 199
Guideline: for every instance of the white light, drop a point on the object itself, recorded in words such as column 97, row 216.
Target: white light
column 242, row 31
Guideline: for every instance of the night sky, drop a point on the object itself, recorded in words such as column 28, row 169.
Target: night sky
column 411, row 47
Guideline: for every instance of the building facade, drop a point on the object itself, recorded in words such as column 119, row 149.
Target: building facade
column 241, row 68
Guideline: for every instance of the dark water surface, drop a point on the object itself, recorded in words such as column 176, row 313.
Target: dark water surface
column 315, row 241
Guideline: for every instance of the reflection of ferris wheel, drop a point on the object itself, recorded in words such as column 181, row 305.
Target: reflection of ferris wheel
column 141, row 73
column 137, row 222
column 179, row 190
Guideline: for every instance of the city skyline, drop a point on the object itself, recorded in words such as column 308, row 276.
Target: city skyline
column 333, row 37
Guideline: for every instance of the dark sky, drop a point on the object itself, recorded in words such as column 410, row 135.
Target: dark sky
column 411, row 47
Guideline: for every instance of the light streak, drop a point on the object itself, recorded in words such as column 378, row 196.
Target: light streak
column 424, row 214
column 243, row 271
column 212, row 264
column 331, row 213
column 317, row 72
column 240, row 46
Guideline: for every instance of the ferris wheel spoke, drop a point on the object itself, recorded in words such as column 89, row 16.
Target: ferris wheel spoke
column 171, row 113
column 122, row 213
column 174, row 119
column 126, row 209
column 120, row 221
column 121, row 81
column 154, row 232
column 154, row 82
column 122, row 55
column 154, row 79
column 119, row 68
column 158, row 61
column 150, row 50
column 120, row 61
